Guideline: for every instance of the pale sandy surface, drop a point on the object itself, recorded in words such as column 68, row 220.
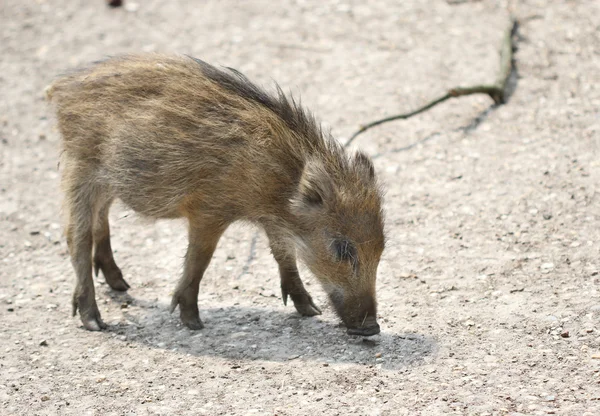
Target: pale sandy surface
column 500, row 225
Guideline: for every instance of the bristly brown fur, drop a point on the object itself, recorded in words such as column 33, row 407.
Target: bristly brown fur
column 176, row 137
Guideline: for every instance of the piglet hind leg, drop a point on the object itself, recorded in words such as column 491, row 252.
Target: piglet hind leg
column 203, row 238
column 291, row 284
column 80, row 197
column 103, row 254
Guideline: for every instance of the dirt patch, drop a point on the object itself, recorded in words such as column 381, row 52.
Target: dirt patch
column 488, row 289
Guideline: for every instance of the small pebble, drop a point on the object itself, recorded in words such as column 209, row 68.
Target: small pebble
column 564, row 334
column 44, row 343
column 378, row 355
column 596, row 356
column 132, row 7
column 45, row 398
column 547, row 267
column 408, row 276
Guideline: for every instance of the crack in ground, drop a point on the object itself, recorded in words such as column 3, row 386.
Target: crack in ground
column 251, row 256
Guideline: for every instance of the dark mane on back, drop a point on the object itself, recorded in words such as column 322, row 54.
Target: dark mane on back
column 287, row 109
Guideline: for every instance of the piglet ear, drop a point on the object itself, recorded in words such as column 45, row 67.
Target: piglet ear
column 315, row 187
column 364, row 166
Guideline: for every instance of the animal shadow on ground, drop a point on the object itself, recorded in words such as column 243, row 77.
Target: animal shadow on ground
column 249, row 333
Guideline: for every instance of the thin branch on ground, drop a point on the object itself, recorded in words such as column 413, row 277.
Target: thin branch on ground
column 496, row 91
column 467, row 128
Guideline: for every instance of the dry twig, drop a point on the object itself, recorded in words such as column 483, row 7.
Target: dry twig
column 496, row 91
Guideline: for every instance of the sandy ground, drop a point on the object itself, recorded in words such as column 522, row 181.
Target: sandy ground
column 488, row 291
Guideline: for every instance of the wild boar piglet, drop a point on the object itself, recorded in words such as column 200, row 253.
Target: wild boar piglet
column 176, row 137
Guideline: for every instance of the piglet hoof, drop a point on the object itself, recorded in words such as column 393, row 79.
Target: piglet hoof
column 118, row 284
column 93, row 324
column 193, row 323
column 302, row 301
column 90, row 315
column 188, row 313
column 113, row 276
column 305, row 306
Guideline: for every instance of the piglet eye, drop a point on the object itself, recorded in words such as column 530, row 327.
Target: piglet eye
column 344, row 251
